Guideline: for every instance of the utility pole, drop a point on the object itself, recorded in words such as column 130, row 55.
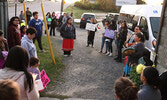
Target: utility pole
column 4, row 18
column 62, row 6
column 15, row 7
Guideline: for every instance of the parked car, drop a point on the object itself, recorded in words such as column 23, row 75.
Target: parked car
column 85, row 18
column 110, row 16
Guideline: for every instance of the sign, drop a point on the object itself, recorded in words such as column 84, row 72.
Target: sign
column 90, row 27
column 44, row 78
column 125, row 2
column 39, row 85
column 49, row 19
column 110, row 34
column 152, row 57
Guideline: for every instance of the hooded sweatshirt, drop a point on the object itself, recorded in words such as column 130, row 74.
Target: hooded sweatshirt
column 29, row 46
column 19, row 77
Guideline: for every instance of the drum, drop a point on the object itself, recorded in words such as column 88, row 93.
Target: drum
column 128, row 51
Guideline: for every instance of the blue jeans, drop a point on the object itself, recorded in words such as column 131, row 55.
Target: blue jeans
column 102, row 43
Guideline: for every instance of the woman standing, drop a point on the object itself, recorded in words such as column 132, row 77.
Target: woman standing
column 53, row 24
column 149, row 90
column 14, row 35
column 121, row 38
column 91, row 34
column 139, row 50
column 48, row 19
column 15, row 68
column 67, row 31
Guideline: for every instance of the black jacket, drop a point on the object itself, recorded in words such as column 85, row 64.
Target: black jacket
column 122, row 35
column 68, row 32
column 54, row 22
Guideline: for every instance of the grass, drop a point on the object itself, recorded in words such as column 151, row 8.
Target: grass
column 53, row 71
column 78, row 11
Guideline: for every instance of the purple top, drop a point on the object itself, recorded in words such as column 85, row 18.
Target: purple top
column 35, row 71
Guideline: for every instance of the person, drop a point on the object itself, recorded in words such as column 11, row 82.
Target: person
column 15, row 68
column 125, row 89
column 68, row 33
column 27, row 42
column 139, row 50
column 53, row 24
column 48, row 19
column 150, row 79
column 23, row 30
column 9, row 90
column 121, row 38
column 3, row 49
column 29, row 15
column 163, row 86
column 21, row 16
column 14, row 35
column 64, row 20
column 38, row 25
column 131, row 40
column 91, row 34
column 34, row 64
column 3, row 41
column 110, row 37
column 103, row 38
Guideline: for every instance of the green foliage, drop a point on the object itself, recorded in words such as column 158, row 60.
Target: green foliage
column 87, row 6
column 140, row 2
column 135, row 77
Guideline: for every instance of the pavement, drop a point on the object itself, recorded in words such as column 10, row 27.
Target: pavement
column 88, row 75
column 49, row 6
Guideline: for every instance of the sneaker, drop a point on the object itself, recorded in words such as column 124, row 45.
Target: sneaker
column 107, row 53
column 100, row 51
column 65, row 55
column 42, row 51
column 110, row 55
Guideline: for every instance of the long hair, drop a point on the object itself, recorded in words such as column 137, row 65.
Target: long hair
column 12, row 19
column 18, row 60
column 68, row 20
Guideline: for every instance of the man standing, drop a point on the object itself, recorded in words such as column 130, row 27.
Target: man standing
column 38, row 25
column 64, row 18
column 29, row 15
column 27, row 42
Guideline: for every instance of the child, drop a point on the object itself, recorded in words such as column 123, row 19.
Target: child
column 23, row 30
column 9, row 90
column 34, row 63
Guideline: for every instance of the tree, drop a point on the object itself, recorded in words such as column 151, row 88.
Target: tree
column 141, row 2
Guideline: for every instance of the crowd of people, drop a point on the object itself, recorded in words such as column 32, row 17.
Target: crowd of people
column 19, row 72
column 19, row 61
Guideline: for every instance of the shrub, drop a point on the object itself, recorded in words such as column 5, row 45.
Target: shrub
column 135, row 77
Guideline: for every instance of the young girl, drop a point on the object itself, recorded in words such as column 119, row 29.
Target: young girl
column 23, row 30
column 125, row 89
column 110, row 35
column 91, row 35
column 34, row 64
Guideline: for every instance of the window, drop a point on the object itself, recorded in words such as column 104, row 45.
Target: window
column 134, row 22
column 155, row 25
column 144, row 25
